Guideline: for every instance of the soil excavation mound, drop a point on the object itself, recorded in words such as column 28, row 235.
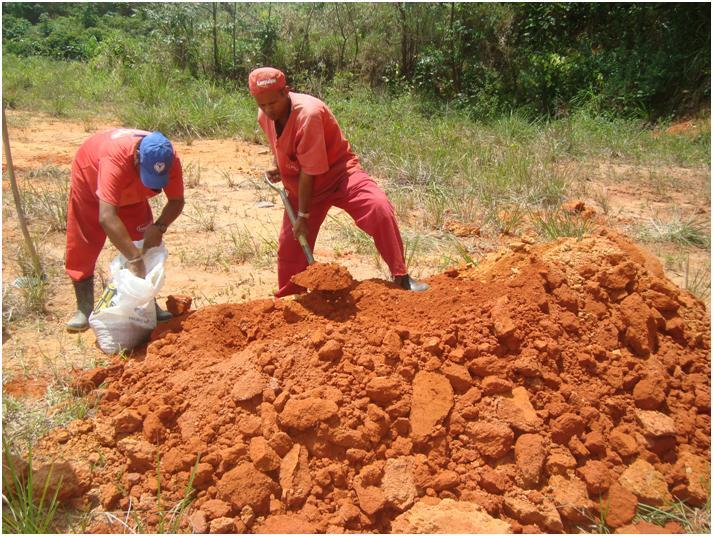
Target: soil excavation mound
column 320, row 276
column 523, row 395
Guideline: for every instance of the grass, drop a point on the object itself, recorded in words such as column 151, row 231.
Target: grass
column 230, row 179
column 348, row 233
column 33, row 419
column 446, row 164
column 459, row 254
column 685, row 230
column 192, row 174
column 245, row 246
column 169, row 522
column 45, row 194
column 698, row 280
column 389, row 133
column 204, row 216
column 557, row 224
column 27, row 419
column 508, row 221
column 602, row 198
column 692, row 520
column 29, row 507
column 27, row 296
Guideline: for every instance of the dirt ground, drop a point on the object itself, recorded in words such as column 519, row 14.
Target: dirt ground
column 201, row 248
column 341, row 411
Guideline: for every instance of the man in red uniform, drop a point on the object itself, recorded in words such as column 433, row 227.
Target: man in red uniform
column 114, row 173
column 319, row 170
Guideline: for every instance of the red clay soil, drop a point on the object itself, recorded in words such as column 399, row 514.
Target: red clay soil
column 320, row 276
column 523, row 395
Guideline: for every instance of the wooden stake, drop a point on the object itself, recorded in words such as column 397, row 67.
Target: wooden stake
column 18, row 200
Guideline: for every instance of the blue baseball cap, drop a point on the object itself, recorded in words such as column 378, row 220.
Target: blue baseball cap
column 155, row 160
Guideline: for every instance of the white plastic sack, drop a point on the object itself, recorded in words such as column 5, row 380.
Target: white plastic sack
column 125, row 316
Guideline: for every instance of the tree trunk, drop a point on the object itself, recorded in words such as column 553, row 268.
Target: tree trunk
column 408, row 44
column 235, row 14
column 454, row 60
column 36, row 264
column 215, row 38
column 343, row 45
column 305, row 41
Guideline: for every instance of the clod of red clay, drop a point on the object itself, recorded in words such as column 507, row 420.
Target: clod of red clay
column 577, row 206
column 178, row 305
column 320, row 276
column 524, row 395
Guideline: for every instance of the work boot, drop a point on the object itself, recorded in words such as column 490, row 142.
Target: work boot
column 161, row 315
column 84, row 292
column 407, row 282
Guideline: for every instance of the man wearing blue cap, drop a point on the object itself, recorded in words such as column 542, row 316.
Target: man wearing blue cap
column 114, row 173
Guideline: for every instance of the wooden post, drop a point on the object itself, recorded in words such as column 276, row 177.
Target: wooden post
column 18, row 200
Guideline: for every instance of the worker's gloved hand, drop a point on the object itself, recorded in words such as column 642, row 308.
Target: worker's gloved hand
column 137, row 267
column 152, row 237
column 273, row 174
column 299, row 228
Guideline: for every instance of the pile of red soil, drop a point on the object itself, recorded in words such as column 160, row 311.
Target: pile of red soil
column 321, row 276
column 525, row 395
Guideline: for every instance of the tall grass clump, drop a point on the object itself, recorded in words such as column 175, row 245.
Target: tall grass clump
column 29, row 506
column 59, row 88
column 245, row 245
column 45, row 196
column 586, row 135
column 353, row 237
column 175, row 103
column 152, row 97
column 28, row 293
column 557, row 224
column 686, row 230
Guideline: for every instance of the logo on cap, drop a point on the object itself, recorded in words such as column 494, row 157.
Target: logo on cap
column 158, row 167
column 266, row 82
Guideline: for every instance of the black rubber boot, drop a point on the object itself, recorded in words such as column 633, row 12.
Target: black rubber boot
column 406, row 282
column 84, row 293
column 161, row 315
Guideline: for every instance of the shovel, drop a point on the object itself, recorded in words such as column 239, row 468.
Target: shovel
column 291, row 215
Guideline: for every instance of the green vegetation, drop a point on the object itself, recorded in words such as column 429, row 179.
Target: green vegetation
column 44, row 196
column 698, row 280
column 644, row 60
column 679, row 228
column 170, row 521
column 203, row 216
column 557, row 224
column 27, row 295
column 29, row 507
column 245, row 246
column 692, row 520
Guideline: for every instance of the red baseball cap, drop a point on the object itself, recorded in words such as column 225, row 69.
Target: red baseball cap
column 265, row 79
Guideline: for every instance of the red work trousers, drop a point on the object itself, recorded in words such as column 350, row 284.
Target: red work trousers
column 371, row 210
column 85, row 236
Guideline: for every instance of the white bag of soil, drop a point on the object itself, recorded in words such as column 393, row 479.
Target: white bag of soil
column 125, row 315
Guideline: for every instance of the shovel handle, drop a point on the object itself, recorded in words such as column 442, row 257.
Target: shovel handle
column 291, row 215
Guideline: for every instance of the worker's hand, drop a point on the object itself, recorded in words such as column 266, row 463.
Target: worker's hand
column 137, row 268
column 273, row 175
column 300, row 228
column 152, row 238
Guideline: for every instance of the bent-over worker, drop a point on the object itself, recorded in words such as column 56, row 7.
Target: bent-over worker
column 114, row 173
column 319, row 170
